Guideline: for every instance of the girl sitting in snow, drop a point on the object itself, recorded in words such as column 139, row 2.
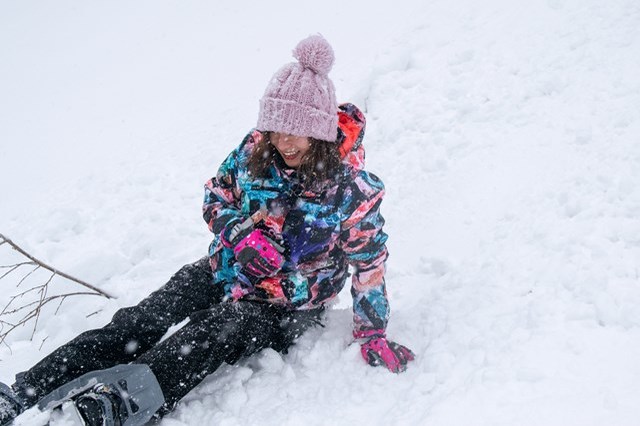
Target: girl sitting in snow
column 290, row 209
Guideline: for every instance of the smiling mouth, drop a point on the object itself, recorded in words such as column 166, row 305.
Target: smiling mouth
column 289, row 155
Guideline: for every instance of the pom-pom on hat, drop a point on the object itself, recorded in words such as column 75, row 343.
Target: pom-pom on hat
column 300, row 98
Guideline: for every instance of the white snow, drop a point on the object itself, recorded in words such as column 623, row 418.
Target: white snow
column 506, row 133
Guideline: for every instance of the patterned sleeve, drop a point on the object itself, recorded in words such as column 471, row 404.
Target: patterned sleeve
column 222, row 195
column 363, row 242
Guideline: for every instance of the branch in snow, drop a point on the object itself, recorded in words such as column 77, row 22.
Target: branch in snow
column 31, row 311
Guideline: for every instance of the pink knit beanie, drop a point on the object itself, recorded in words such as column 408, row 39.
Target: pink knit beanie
column 300, row 98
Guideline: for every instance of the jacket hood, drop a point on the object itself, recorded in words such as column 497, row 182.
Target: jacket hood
column 351, row 125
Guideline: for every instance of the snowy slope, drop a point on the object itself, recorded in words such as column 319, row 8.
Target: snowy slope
column 506, row 134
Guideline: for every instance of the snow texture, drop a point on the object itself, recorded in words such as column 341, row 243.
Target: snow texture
column 506, row 133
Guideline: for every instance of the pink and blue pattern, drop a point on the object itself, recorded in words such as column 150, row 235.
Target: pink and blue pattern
column 324, row 231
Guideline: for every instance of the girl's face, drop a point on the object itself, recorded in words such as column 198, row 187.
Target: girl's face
column 291, row 148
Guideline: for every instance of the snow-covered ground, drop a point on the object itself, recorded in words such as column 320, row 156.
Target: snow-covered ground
column 507, row 134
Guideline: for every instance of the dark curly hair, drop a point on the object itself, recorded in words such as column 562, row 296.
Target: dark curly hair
column 320, row 164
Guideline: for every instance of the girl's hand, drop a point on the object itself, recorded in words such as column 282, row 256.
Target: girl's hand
column 377, row 350
column 259, row 255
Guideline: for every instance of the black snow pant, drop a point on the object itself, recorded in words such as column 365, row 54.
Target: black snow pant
column 217, row 332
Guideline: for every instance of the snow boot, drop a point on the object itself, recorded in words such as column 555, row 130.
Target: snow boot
column 11, row 405
column 102, row 406
column 124, row 395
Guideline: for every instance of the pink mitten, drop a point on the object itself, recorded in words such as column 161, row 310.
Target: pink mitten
column 380, row 351
column 259, row 255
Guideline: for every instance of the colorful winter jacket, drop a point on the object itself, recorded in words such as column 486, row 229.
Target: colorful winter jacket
column 324, row 231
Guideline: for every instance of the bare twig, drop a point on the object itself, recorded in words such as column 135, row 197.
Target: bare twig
column 52, row 269
column 33, row 313
column 27, row 276
column 43, row 295
column 13, row 268
column 31, row 310
column 16, row 264
column 94, row 313
column 47, row 300
column 60, row 304
column 18, row 296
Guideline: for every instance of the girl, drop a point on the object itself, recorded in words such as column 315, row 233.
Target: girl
column 291, row 209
